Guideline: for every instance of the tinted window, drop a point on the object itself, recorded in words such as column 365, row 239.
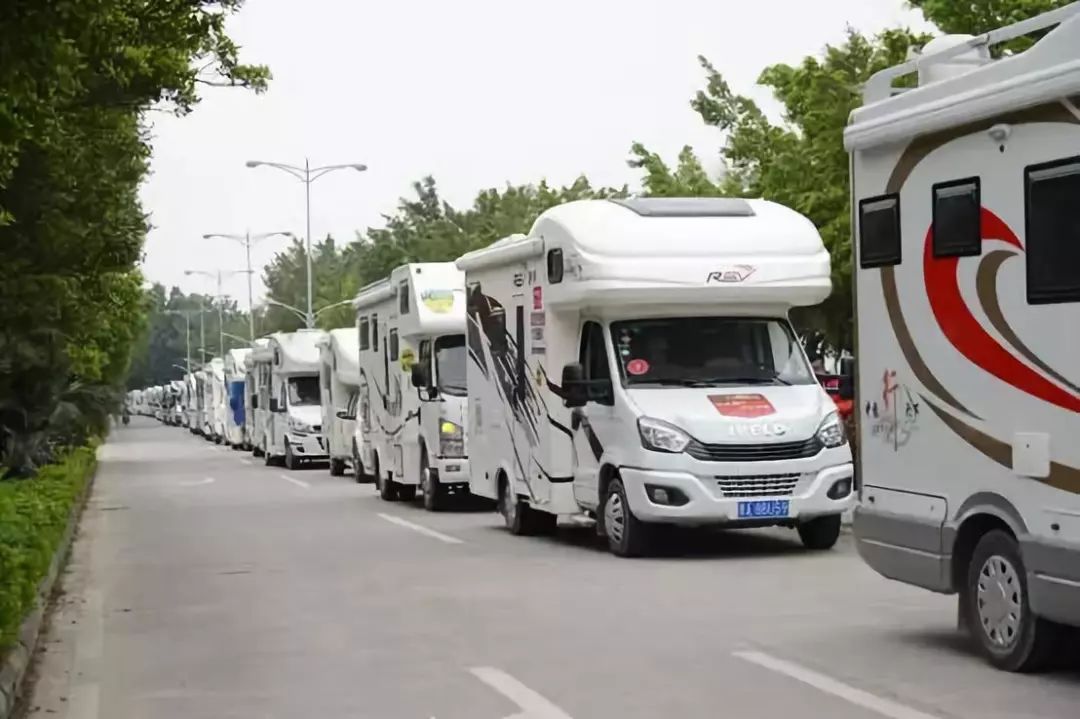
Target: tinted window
column 303, row 391
column 554, row 266
column 879, row 231
column 365, row 338
column 403, row 298
column 594, row 361
column 393, row 346
column 450, row 360
column 375, row 332
column 1052, row 199
column 957, row 226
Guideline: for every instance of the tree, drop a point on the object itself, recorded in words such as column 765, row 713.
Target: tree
column 75, row 80
column 975, row 17
column 799, row 162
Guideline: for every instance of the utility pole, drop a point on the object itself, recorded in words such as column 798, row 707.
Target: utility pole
column 247, row 240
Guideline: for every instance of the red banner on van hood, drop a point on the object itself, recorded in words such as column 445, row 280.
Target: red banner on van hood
column 742, row 405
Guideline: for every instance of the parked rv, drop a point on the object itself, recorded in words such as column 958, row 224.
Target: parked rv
column 196, row 382
column 412, row 382
column 339, row 381
column 256, row 415
column 213, row 390
column 292, row 425
column 633, row 360
column 967, row 248
column 235, row 371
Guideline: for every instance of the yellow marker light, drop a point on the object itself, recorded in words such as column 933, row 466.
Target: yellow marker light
column 448, row 428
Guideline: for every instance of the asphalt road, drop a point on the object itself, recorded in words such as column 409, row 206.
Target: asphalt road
column 204, row 584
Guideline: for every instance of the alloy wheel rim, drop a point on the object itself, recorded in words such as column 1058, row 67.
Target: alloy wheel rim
column 615, row 517
column 998, row 601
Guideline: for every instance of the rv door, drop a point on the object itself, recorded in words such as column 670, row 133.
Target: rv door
column 592, row 421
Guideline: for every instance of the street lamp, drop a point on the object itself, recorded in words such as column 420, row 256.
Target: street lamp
column 248, row 240
column 308, row 174
column 186, row 314
column 219, row 274
column 304, row 315
column 238, row 338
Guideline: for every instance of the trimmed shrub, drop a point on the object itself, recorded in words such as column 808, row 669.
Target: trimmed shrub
column 33, row 516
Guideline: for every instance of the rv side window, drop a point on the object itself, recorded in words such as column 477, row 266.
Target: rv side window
column 957, row 227
column 879, row 231
column 1052, row 224
column 594, row 361
column 403, row 298
column 393, row 343
column 519, row 358
column 497, row 330
column 554, row 266
column 365, row 338
column 375, row 332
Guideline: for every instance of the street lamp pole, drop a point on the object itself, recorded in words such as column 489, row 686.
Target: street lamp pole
column 247, row 240
column 187, row 334
column 308, row 174
column 218, row 275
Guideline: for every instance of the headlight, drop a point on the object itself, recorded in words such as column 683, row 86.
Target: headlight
column 831, row 432
column 659, row 436
column 451, row 439
column 297, row 426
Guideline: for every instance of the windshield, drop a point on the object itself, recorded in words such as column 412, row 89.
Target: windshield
column 303, row 391
column 450, row 364
column 708, row 351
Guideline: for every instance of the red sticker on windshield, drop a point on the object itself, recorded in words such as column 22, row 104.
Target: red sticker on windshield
column 637, row 367
column 742, row 405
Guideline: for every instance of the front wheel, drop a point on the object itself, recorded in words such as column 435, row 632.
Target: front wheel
column 627, row 535
column 821, row 533
column 998, row 610
column 337, row 467
column 292, row 462
column 429, row 483
column 358, row 467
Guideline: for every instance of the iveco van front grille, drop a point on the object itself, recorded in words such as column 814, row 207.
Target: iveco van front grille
column 771, row 452
column 762, row 485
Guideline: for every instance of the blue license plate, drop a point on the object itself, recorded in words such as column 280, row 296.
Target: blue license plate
column 764, row 508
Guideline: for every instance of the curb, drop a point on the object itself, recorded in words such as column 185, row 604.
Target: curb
column 16, row 662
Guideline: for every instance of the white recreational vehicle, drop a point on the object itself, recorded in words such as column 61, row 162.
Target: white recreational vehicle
column 339, row 381
column 256, row 415
column 235, row 371
column 412, row 382
column 194, row 402
column 289, row 390
column 213, row 400
column 633, row 360
column 966, row 196
column 175, row 402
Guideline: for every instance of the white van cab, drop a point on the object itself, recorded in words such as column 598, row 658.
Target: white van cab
column 633, row 360
column 293, row 431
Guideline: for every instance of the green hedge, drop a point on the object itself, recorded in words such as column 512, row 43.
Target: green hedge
column 33, row 516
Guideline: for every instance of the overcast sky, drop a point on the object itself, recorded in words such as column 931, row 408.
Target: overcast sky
column 477, row 93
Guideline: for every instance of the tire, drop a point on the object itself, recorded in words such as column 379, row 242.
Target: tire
column 406, row 492
column 268, row 456
column 821, row 533
column 627, row 535
column 434, row 498
column 1000, row 619
column 521, row 519
column 337, row 467
column 358, row 467
column 292, row 462
column 387, row 487
column 257, row 450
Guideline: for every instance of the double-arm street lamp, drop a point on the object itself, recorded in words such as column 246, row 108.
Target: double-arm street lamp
column 307, row 175
column 248, row 240
column 218, row 275
column 309, row 316
column 186, row 314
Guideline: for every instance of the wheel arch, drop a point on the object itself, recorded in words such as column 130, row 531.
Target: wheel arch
column 981, row 513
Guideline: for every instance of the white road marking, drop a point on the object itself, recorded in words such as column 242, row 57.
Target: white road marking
column 532, row 704
column 821, row 682
column 297, row 482
column 420, row 529
column 198, row 482
column 245, row 461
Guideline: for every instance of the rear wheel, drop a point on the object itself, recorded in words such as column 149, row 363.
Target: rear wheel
column 520, row 518
column 358, row 467
column 998, row 610
column 627, row 535
column 407, row 492
column 821, row 533
column 387, row 487
column 337, row 467
column 268, row 454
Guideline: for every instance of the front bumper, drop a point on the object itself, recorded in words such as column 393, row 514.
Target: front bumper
column 709, row 502
column 309, row 446
column 452, row 470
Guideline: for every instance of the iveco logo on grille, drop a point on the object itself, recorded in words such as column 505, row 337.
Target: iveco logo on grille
column 758, row 429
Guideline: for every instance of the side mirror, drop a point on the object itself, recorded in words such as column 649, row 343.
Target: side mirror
column 419, row 376
column 574, row 391
column 343, row 414
column 274, row 405
column 847, row 378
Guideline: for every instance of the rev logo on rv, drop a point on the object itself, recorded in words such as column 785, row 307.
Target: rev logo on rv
column 762, row 429
column 735, row 273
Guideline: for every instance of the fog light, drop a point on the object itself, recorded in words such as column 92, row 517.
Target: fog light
column 668, row 496
column 840, row 489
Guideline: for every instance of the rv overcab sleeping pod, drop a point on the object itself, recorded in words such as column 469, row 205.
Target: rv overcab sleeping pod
column 292, row 425
column 235, row 373
column 633, row 360
column 339, row 382
column 412, row 382
column 966, row 194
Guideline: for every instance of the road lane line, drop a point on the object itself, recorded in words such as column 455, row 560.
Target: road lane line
column 246, row 461
column 532, row 704
column 198, row 482
column 297, row 482
column 821, row 682
column 420, row 529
